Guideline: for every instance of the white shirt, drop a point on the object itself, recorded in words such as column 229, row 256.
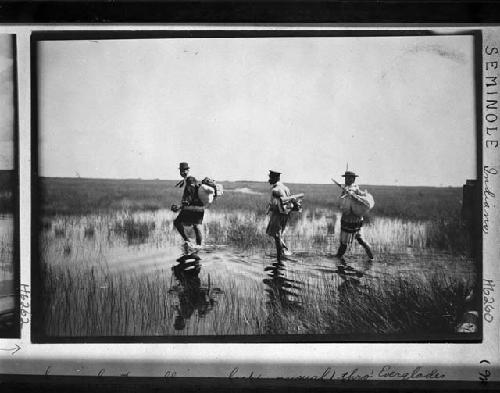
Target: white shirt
column 278, row 190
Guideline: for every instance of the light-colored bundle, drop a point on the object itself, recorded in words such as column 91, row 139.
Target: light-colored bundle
column 359, row 205
column 206, row 194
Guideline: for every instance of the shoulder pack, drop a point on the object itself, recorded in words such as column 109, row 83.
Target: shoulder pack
column 208, row 190
column 360, row 205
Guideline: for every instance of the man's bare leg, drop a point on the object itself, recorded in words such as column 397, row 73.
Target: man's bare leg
column 279, row 250
column 198, row 231
column 281, row 245
column 180, row 228
column 365, row 245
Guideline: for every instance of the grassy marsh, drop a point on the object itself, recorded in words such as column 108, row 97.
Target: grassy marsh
column 107, row 267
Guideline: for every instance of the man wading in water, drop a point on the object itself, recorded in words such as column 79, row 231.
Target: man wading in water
column 191, row 209
column 279, row 217
column 353, row 204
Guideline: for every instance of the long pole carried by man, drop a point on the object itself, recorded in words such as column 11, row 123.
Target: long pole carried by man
column 354, row 204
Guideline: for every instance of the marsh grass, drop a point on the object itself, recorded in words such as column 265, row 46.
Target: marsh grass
column 89, row 232
column 81, row 302
column 7, row 186
column 398, row 211
column 93, row 302
column 78, row 196
column 84, row 296
column 6, row 202
column 136, row 231
column 411, row 305
column 312, row 231
column 6, row 248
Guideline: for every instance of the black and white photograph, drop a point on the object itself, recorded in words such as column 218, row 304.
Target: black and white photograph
column 9, row 326
column 226, row 186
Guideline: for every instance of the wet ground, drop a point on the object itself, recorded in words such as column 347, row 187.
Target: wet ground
column 198, row 280
column 218, row 289
column 126, row 274
column 223, row 260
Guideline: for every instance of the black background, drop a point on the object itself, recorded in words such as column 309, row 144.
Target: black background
column 257, row 11
column 128, row 12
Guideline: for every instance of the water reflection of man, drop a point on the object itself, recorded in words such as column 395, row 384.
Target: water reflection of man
column 192, row 296
column 191, row 208
column 283, row 295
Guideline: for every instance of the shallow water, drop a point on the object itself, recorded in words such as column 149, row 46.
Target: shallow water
column 206, row 290
column 251, row 266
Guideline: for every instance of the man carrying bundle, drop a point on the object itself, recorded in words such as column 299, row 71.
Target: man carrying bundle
column 191, row 209
column 280, row 206
column 354, row 203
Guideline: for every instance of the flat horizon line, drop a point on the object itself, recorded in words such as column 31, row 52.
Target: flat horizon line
column 241, row 181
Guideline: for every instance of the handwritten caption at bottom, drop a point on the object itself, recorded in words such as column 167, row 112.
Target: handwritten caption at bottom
column 386, row 372
column 355, row 374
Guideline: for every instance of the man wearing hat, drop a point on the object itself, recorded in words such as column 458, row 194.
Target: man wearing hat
column 351, row 220
column 191, row 209
column 278, row 218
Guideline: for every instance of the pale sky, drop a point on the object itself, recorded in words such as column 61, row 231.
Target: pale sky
column 399, row 110
column 6, row 103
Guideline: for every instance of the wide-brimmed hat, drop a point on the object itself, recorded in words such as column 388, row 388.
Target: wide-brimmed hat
column 349, row 173
column 273, row 173
column 183, row 166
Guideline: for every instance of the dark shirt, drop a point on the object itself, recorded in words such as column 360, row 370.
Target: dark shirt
column 190, row 195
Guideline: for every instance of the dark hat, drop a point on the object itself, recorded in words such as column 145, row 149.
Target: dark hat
column 183, row 165
column 349, row 173
column 274, row 173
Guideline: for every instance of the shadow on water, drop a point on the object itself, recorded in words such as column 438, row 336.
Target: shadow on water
column 351, row 278
column 193, row 296
column 348, row 272
column 283, row 296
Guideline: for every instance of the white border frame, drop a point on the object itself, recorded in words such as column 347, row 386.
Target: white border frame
column 460, row 362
